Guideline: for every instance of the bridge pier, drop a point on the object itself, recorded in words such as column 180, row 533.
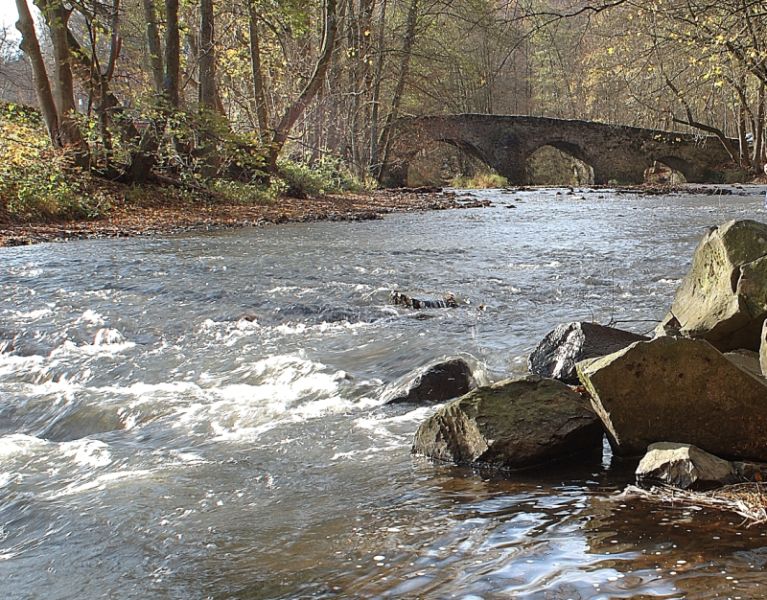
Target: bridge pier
column 511, row 164
column 394, row 175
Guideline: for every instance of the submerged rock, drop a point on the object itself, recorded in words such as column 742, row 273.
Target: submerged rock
column 400, row 299
column 513, row 424
column 678, row 390
column 723, row 299
column 570, row 343
column 436, row 383
column 684, row 466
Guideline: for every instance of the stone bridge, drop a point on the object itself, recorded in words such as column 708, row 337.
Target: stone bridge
column 505, row 143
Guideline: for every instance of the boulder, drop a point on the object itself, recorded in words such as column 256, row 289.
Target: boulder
column 570, row 343
column 513, row 424
column 684, row 466
column 723, row 298
column 439, row 382
column 678, row 390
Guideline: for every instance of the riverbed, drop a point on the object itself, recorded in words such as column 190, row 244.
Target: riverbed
column 201, row 415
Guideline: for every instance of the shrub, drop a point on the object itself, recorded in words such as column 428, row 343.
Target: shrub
column 328, row 176
column 37, row 182
column 236, row 192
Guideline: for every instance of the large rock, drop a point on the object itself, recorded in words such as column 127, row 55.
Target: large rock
column 684, row 466
column 512, row 424
column 436, row 383
column 678, row 390
column 570, row 343
column 723, row 298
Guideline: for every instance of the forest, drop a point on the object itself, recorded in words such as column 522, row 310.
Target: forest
column 253, row 98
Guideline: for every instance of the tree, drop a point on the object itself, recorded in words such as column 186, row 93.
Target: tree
column 31, row 47
column 294, row 111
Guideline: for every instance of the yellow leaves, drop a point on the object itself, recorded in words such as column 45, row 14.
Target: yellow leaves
column 610, row 51
column 22, row 140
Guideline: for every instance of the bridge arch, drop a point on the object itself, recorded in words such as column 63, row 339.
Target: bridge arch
column 440, row 160
column 675, row 164
column 558, row 162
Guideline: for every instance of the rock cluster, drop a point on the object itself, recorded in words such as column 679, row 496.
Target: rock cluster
column 690, row 400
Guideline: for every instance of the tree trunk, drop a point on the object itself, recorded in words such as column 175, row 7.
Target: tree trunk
column 259, row 89
column 207, row 58
column 399, row 90
column 31, row 47
column 172, row 54
column 153, row 45
column 144, row 156
column 375, row 102
column 57, row 18
column 759, row 131
column 744, row 156
column 297, row 108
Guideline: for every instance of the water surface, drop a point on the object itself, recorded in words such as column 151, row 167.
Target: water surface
column 156, row 444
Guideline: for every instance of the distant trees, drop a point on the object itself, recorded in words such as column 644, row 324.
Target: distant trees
column 139, row 88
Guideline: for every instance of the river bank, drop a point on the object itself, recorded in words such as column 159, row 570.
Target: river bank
column 164, row 214
column 161, row 217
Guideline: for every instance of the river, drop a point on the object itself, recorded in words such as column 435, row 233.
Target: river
column 155, row 444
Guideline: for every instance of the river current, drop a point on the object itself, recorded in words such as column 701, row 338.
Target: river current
column 201, row 416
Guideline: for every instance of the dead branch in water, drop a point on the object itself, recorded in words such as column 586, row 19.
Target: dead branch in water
column 745, row 499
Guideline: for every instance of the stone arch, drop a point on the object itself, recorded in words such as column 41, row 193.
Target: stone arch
column 473, row 157
column 558, row 162
column 667, row 169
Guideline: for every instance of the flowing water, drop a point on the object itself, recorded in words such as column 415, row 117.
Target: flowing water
column 156, row 444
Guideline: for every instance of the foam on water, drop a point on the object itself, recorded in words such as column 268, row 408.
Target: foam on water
column 106, row 342
column 91, row 317
column 87, row 453
column 99, row 483
column 33, row 315
column 19, row 444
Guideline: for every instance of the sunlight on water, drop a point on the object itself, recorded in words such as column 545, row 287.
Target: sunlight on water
column 203, row 416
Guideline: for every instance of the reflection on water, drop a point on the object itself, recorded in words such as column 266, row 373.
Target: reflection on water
column 156, row 444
